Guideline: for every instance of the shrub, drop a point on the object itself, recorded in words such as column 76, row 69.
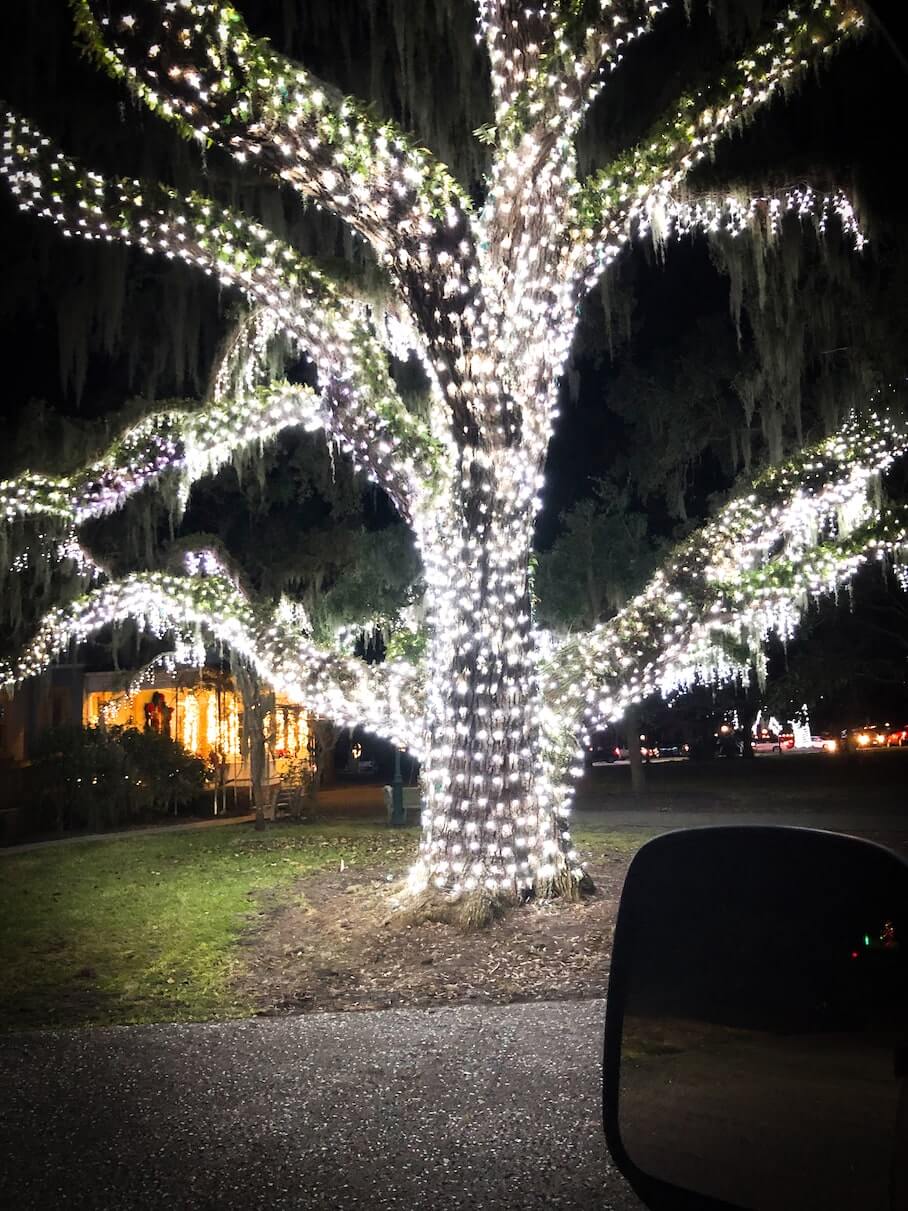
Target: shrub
column 92, row 777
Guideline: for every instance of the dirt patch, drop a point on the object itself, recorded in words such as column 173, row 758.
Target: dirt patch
column 341, row 944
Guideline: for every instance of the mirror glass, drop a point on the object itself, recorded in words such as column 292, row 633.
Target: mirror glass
column 765, row 1018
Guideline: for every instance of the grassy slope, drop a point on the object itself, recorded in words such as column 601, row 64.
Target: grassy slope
column 146, row 929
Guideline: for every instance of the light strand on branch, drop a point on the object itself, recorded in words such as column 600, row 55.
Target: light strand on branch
column 362, row 407
column 644, row 177
column 382, row 698
column 189, row 444
column 665, row 218
column 196, row 64
column 802, row 531
column 549, row 60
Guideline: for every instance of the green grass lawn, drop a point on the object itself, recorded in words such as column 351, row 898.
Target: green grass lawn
column 151, row 928
column 147, row 929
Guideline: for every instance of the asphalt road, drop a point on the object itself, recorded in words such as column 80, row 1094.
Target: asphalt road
column 479, row 1107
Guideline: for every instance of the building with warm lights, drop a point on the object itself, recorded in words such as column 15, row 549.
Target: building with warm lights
column 200, row 708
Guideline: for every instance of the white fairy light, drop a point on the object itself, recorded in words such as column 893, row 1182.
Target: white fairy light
column 488, row 301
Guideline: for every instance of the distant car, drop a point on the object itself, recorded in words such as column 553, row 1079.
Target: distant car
column 860, row 739
column 825, row 743
column 647, row 752
column 766, row 741
column 897, row 737
column 772, row 742
column 601, row 750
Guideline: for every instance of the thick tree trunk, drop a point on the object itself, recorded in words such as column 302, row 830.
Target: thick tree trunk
column 634, row 755
column 495, row 824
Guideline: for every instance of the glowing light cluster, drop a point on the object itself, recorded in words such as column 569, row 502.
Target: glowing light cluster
column 488, row 299
column 664, row 218
column 361, row 407
column 643, row 179
column 383, row 698
column 804, row 530
column 188, row 444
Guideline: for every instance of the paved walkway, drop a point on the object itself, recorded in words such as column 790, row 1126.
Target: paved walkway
column 362, row 801
column 126, row 833
column 468, row 1107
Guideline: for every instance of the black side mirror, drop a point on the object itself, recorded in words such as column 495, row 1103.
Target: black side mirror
column 756, row 1040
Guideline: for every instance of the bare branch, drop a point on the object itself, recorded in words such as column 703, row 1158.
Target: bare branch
column 641, row 178
column 382, row 698
column 360, row 402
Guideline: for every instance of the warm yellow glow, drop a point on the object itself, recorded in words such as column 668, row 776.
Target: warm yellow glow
column 229, row 729
column 830, row 746
column 211, row 721
column 189, row 732
column 863, row 739
column 205, row 720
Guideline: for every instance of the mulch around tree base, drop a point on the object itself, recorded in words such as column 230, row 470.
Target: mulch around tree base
column 341, row 944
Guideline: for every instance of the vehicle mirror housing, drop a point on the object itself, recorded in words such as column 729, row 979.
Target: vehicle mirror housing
column 756, row 1042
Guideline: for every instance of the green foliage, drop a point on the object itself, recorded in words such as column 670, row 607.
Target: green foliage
column 407, row 645
column 680, row 408
column 602, row 557
column 297, row 779
column 148, row 929
column 92, row 777
column 376, row 581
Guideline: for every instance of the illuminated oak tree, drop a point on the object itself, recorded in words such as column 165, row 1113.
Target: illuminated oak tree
column 486, row 295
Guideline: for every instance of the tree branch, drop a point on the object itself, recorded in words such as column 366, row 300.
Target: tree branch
column 733, row 214
column 196, row 64
column 803, row 530
column 382, row 698
column 547, row 63
column 361, row 406
column 638, row 179
column 189, row 444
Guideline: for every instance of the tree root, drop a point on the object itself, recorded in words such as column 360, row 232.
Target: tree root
column 564, row 886
column 476, row 910
column 469, row 912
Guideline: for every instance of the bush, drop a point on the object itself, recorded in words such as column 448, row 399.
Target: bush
column 91, row 777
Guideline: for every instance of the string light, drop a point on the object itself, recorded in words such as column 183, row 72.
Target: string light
column 488, row 299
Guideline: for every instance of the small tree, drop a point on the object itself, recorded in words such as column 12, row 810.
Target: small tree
column 486, row 296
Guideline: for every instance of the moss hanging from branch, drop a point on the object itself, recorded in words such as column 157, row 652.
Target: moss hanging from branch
column 380, row 53
column 797, row 300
